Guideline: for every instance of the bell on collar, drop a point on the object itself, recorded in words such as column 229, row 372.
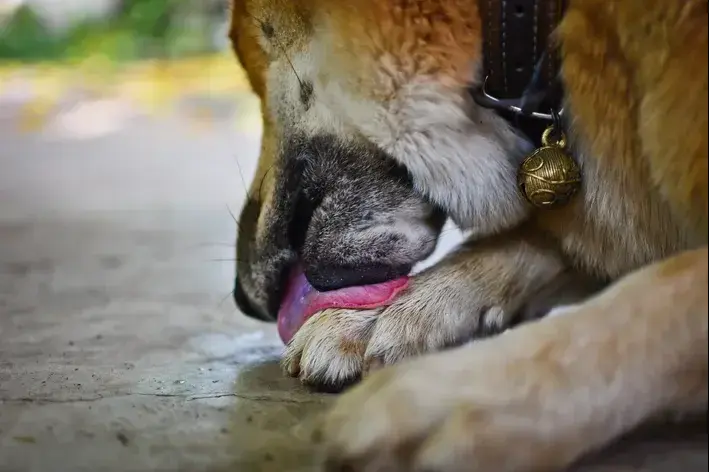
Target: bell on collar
column 549, row 176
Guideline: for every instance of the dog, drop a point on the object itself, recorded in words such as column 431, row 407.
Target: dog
column 372, row 139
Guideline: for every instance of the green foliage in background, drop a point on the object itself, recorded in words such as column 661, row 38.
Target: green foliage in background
column 139, row 29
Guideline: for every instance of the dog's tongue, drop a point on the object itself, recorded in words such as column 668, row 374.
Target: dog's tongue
column 301, row 300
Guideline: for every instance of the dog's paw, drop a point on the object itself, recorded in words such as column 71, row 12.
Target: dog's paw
column 435, row 315
column 487, row 406
column 327, row 352
column 335, row 348
column 477, row 291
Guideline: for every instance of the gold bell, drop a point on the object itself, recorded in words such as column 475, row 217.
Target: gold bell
column 549, row 177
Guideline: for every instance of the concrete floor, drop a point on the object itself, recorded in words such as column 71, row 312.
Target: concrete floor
column 120, row 348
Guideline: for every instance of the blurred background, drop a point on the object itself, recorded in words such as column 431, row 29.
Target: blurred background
column 88, row 87
column 127, row 137
column 117, row 29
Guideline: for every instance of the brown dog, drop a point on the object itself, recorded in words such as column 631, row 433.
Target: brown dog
column 370, row 133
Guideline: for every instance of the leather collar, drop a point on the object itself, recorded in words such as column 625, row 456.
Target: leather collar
column 520, row 63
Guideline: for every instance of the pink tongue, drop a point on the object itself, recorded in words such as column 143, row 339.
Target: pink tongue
column 302, row 301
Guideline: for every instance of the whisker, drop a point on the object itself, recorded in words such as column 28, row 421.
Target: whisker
column 231, row 213
column 263, row 179
column 226, row 259
column 241, row 175
column 215, row 245
column 227, row 296
column 264, row 24
column 233, row 217
column 200, row 245
column 290, row 64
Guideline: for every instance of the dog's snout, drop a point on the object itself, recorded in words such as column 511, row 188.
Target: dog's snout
column 244, row 304
column 332, row 277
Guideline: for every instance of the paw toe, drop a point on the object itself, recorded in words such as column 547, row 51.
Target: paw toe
column 329, row 385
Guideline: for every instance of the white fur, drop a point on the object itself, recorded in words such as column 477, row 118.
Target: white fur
column 427, row 123
column 424, row 124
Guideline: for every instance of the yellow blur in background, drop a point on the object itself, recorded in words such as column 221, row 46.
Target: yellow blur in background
column 152, row 85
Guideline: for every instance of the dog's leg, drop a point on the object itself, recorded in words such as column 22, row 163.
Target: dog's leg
column 540, row 396
column 479, row 290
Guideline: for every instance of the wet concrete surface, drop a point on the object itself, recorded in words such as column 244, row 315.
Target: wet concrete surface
column 120, row 347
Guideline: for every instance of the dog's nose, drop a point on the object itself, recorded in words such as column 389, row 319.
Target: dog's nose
column 244, row 304
column 332, row 277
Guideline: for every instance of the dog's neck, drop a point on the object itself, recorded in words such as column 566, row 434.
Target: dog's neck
column 520, row 66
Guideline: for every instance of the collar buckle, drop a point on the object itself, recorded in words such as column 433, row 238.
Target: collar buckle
column 532, row 99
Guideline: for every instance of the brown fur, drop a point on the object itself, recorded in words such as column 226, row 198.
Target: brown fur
column 635, row 75
column 428, row 38
column 634, row 91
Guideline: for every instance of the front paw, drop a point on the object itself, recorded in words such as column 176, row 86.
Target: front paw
column 436, row 315
column 478, row 290
column 328, row 351
column 337, row 347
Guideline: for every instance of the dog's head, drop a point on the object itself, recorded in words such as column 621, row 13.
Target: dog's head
column 369, row 138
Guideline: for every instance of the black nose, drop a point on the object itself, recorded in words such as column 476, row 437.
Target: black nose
column 325, row 278
column 244, row 304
